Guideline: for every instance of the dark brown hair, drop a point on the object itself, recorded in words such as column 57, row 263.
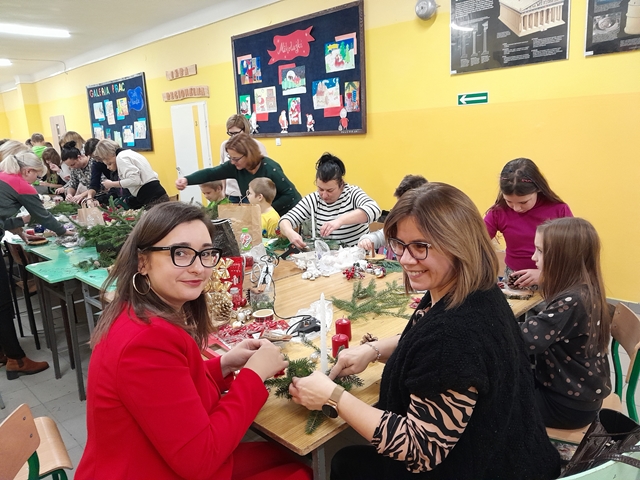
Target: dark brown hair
column 409, row 182
column 329, row 167
column 452, row 224
column 522, row 177
column 50, row 154
column 244, row 144
column 154, row 225
column 570, row 262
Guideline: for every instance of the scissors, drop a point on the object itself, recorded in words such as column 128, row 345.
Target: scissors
column 262, row 271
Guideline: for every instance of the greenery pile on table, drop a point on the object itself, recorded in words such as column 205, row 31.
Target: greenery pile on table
column 368, row 302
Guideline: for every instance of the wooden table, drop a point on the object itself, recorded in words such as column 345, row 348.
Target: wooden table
column 283, row 420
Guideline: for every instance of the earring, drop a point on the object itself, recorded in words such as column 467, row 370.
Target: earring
column 135, row 287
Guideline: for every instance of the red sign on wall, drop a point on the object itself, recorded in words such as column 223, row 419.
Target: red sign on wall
column 290, row 46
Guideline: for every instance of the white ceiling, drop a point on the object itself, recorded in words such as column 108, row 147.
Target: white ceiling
column 98, row 29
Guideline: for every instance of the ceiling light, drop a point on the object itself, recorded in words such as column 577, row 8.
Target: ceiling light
column 5, row 62
column 33, row 31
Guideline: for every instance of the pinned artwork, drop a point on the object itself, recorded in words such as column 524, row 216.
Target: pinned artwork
column 122, row 108
column 250, row 71
column 244, row 101
column 128, row 138
column 326, row 93
column 108, row 109
column 339, row 56
column 294, row 110
column 293, row 81
column 352, row 96
column 284, row 124
column 98, row 131
column 117, row 137
column 98, row 111
column 140, row 129
column 311, row 72
column 265, row 99
column 291, row 46
column 136, row 99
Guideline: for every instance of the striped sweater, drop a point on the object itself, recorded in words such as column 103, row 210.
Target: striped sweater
column 350, row 199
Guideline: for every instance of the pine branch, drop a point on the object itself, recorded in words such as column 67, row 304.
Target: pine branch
column 316, row 418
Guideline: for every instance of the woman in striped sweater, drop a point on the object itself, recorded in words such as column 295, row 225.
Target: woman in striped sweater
column 339, row 211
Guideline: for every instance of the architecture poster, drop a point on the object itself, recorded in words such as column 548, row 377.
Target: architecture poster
column 488, row 34
column 612, row 26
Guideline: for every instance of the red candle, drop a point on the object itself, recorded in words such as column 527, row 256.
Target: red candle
column 337, row 341
column 343, row 325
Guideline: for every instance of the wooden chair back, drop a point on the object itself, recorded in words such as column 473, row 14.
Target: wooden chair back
column 19, row 439
column 17, row 253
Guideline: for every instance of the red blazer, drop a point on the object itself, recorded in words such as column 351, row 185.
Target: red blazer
column 154, row 407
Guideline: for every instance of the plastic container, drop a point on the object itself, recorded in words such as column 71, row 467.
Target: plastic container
column 245, row 240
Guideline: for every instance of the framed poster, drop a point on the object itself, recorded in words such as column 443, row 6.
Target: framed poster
column 305, row 76
column 505, row 33
column 119, row 111
column 612, row 26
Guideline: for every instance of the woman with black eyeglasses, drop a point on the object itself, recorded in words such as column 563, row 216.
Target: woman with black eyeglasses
column 246, row 163
column 154, row 408
column 457, row 395
column 237, row 124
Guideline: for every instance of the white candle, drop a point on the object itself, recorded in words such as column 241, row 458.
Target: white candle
column 323, row 335
column 313, row 222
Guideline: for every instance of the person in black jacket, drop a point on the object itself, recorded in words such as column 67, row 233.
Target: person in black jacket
column 456, row 396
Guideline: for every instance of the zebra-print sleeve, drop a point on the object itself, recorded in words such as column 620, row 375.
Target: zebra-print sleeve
column 430, row 430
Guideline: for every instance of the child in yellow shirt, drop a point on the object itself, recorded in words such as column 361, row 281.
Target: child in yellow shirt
column 261, row 192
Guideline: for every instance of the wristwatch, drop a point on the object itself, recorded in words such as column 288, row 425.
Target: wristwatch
column 330, row 409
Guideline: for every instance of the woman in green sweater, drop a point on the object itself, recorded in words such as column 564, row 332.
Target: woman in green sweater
column 246, row 163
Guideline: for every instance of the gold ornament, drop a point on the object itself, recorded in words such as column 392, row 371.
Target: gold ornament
column 220, row 308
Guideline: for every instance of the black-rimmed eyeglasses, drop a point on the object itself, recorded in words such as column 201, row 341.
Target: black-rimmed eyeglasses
column 231, row 134
column 185, row 256
column 418, row 250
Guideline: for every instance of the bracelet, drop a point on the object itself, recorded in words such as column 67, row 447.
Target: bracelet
column 378, row 354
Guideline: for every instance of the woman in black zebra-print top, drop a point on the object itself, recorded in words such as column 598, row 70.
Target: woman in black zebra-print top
column 457, row 396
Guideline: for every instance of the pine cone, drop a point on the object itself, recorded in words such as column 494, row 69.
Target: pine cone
column 367, row 337
column 220, row 308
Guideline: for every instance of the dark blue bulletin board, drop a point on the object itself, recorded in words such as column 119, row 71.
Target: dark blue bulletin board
column 119, row 110
column 305, row 76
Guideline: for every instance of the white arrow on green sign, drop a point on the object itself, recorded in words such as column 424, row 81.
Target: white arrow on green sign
column 473, row 98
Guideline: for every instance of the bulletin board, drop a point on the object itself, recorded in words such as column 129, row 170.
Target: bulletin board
column 119, row 111
column 305, row 76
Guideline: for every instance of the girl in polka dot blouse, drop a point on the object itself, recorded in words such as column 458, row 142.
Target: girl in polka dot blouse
column 569, row 338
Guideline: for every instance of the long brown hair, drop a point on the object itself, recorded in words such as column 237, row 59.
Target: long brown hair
column 523, row 177
column 154, row 225
column 571, row 261
column 452, row 224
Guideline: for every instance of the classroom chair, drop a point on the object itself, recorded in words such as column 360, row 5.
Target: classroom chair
column 625, row 331
column 31, row 448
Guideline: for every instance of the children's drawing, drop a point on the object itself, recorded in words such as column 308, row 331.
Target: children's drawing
column 352, row 96
column 107, row 133
column 140, row 129
column 122, row 108
column 108, row 110
column 339, row 56
column 98, row 131
column 326, row 93
column 250, row 71
column 253, row 121
column 352, row 35
column 117, row 137
column 98, row 111
column 294, row 110
column 127, row 136
column 284, row 125
column 245, row 105
column 265, row 99
column 344, row 121
column 310, row 123
column 293, row 81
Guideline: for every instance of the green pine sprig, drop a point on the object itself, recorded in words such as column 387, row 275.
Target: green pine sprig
column 367, row 301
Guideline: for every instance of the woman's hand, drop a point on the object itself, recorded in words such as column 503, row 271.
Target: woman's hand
column 70, row 233
column 236, row 358
column 329, row 227
column 366, row 244
column 312, row 391
column 296, row 239
column 527, row 278
column 60, row 191
column 108, row 184
column 352, row 361
column 267, row 361
column 181, row 183
column 54, row 168
column 75, row 198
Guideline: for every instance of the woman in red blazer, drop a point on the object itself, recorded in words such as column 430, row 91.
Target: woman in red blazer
column 154, row 407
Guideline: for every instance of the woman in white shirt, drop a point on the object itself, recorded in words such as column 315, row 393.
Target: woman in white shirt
column 134, row 172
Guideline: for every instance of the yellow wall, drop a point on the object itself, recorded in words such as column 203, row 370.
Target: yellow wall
column 577, row 119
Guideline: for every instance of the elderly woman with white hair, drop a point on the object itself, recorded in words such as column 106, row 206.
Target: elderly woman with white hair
column 17, row 172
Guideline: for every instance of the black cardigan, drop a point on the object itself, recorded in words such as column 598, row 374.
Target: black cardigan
column 477, row 344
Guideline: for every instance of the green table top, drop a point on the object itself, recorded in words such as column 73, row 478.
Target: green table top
column 59, row 266
column 94, row 278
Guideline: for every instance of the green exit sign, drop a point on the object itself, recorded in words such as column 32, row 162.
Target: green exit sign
column 473, row 98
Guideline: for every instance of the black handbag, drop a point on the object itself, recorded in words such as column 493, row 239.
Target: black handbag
column 610, row 435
